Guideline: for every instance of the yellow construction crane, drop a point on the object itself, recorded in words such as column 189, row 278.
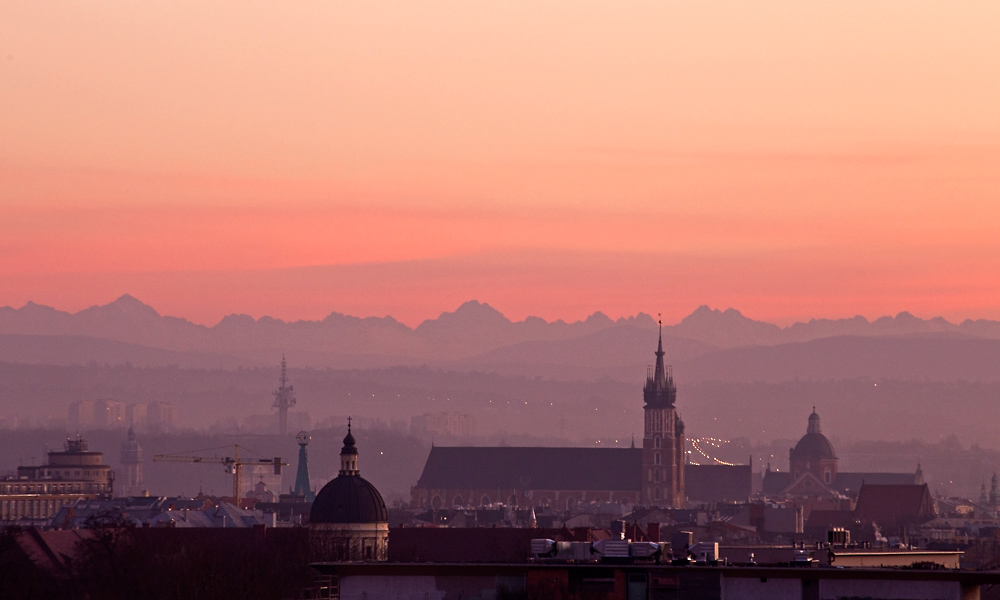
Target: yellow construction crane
column 234, row 465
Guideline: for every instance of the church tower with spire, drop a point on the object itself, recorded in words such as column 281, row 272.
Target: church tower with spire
column 663, row 442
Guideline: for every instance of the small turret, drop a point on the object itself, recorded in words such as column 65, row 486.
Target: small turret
column 814, row 426
column 349, row 454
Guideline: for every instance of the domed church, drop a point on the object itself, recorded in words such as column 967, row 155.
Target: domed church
column 814, row 470
column 814, row 454
column 348, row 521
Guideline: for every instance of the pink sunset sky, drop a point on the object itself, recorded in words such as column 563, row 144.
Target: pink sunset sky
column 789, row 159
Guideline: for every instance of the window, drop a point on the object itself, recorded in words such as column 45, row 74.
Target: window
column 826, row 476
column 656, row 494
column 656, row 442
column 436, row 502
column 458, row 501
column 656, row 458
column 656, row 476
column 484, row 501
column 570, row 503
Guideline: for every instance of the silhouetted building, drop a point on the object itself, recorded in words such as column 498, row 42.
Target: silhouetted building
column 443, row 424
column 131, row 461
column 553, row 477
column 96, row 414
column 348, row 520
column 814, row 470
column 38, row 492
column 161, row 416
column 561, row 478
column 894, row 507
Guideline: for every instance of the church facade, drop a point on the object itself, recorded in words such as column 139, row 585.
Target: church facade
column 657, row 474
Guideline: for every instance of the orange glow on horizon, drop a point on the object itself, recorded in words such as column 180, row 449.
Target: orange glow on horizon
column 791, row 161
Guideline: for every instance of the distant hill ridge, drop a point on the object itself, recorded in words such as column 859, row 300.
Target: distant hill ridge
column 474, row 334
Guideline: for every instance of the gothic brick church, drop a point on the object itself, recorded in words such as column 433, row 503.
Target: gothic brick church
column 655, row 475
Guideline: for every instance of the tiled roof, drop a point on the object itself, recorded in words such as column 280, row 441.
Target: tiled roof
column 894, row 504
column 466, row 467
column 852, row 481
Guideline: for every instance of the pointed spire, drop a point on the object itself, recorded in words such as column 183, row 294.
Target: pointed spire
column 659, row 390
column 660, row 373
column 302, row 474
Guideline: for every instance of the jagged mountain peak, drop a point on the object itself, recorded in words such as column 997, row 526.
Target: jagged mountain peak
column 129, row 303
column 472, row 312
column 599, row 318
column 236, row 320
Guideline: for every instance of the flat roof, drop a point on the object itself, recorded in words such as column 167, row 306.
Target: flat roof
column 816, row 572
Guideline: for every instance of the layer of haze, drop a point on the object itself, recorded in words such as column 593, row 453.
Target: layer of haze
column 555, row 158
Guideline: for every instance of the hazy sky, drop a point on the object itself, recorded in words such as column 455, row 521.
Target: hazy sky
column 790, row 159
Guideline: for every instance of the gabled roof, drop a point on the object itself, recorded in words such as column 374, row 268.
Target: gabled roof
column 52, row 550
column 717, row 483
column 775, row 481
column 808, row 484
column 851, row 482
column 894, row 504
column 458, row 467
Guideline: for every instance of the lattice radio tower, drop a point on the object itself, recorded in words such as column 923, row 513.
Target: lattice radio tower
column 283, row 399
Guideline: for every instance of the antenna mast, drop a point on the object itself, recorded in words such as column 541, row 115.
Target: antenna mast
column 283, row 399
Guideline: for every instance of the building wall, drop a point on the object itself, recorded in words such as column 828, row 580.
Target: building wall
column 35, row 506
column 761, row 588
column 825, row 470
column 897, row 589
column 662, row 459
column 349, row 541
column 556, row 499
